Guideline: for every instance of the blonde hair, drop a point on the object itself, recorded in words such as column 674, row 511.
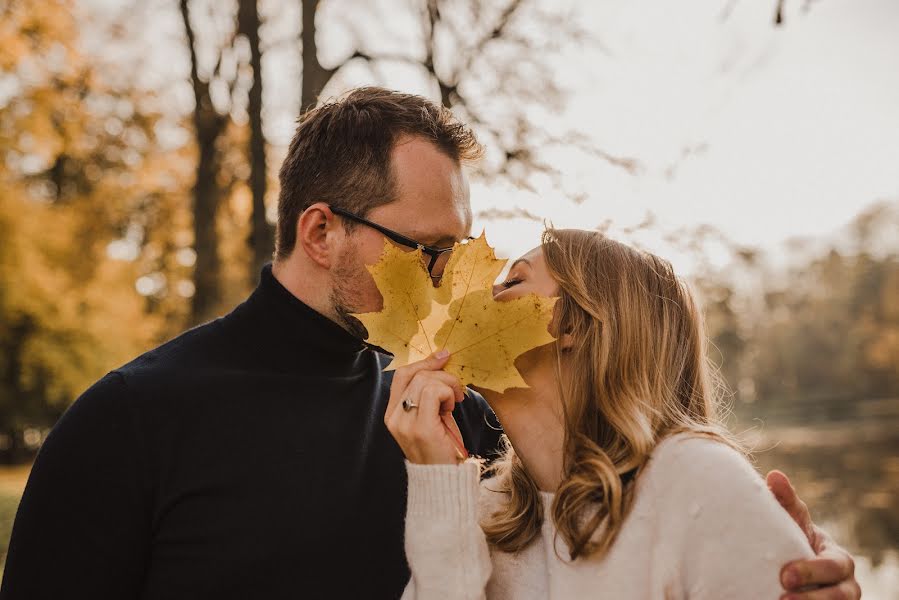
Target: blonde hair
column 638, row 371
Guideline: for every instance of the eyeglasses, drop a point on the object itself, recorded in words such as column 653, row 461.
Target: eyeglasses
column 438, row 256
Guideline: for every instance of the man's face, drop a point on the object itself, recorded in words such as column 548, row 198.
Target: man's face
column 432, row 208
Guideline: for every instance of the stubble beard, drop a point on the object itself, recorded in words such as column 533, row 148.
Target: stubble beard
column 345, row 292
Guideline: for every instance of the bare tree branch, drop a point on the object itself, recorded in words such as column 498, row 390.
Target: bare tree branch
column 779, row 13
column 380, row 57
column 514, row 213
column 727, row 10
column 473, row 78
column 496, row 32
column 208, row 128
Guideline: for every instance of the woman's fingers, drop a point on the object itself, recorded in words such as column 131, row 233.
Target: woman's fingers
column 407, row 388
column 432, row 363
column 434, row 395
column 427, row 396
column 419, row 412
column 421, row 432
column 412, row 393
column 450, row 381
column 437, row 394
column 404, row 376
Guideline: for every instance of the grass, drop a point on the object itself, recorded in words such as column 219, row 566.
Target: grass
column 12, row 482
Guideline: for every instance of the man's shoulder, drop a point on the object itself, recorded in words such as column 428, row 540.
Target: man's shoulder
column 199, row 354
column 192, row 348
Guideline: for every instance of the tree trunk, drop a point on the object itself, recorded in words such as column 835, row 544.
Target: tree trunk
column 261, row 234
column 315, row 77
column 207, row 195
column 208, row 127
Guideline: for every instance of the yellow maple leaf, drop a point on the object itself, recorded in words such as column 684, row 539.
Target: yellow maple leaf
column 484, row 337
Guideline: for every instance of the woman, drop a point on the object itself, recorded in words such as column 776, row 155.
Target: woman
column 618, row 480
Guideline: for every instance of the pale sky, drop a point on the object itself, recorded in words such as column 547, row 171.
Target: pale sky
column 797, row 128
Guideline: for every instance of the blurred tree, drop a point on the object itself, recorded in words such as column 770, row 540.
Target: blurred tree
column 485, row 61
column 209, row 125
column 262, row 233
column 315, row 76
column 727, row 344
column 219, row 92
column 809, row 337
column 724, row 304
column 830, row 332
column 72, row 147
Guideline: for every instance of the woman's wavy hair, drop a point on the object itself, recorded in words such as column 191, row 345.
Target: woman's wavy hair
column 638, row 372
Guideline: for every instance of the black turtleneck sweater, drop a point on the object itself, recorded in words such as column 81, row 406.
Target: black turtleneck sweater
column 247, row 458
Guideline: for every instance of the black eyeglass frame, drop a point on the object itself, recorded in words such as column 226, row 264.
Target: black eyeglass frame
column 432, row 251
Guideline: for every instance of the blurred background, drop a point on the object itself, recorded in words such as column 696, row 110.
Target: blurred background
column 753, row 143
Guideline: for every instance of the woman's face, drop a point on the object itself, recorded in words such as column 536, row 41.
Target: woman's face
column 528, row 274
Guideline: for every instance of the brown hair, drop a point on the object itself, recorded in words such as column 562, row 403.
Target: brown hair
column 340, row 153
column 638, row 373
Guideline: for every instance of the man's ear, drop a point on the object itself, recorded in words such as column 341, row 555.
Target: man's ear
column 317, row 234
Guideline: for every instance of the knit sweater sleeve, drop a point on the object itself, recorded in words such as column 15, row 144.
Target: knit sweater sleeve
column 724, row 533
column 445, row 546
column 83, row 525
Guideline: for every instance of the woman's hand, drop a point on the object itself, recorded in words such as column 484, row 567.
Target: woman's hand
column 420, row 412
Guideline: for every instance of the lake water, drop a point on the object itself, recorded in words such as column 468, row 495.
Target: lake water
column 846, row 467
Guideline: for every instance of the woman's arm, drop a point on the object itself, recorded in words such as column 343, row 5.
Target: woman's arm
column 729, row 535
column 445, row 546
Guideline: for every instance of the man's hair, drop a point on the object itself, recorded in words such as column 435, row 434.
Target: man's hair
column 340, row 153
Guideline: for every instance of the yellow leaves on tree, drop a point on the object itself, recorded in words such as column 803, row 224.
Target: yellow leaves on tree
column 484, row 337
column 69, row 313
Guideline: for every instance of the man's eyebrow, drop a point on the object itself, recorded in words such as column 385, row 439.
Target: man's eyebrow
column 444, row 241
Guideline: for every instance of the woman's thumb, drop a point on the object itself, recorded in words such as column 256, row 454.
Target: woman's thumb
column 438, row 359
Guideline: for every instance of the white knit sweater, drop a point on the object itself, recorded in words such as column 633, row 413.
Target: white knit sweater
column 703, row 526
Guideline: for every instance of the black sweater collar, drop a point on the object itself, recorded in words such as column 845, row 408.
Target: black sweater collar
column 293, row 330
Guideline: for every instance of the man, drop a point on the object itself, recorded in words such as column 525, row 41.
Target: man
column 248, row 457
